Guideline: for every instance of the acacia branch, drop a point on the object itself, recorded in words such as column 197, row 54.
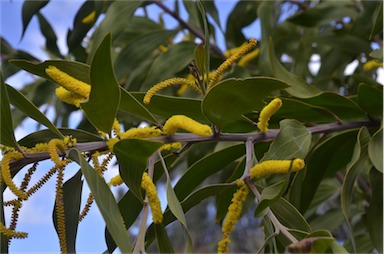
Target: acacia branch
column 192, row 138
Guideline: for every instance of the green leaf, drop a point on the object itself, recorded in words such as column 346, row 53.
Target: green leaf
column 325, row 161
column 29, row 9
column 163, row 241
column 339, row 40
column 49, row 34
column 330, row 220
column 132, row 156
column 375, row 150
column 370, row 98
column 167, row 106
column 105, row 201
column 18, row 100
column 227, row 101
column 337, row 248
column 269, row 195
column 7, row 137
column 210, row 8
column 101, row 108
column 44, row 136
column 298, row 87
column 375, row 210
column 292, row 141
column 72, row 200
column 378, row 25
column 180, row 55
column 199, row 57
column 130, row 104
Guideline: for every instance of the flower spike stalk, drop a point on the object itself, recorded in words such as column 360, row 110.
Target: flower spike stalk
column 275, row 167
column 183, row 122
column 267, row 112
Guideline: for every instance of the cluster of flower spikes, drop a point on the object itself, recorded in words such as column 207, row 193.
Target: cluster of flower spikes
column 258, row 171
column 55, row 148
column 192, row 82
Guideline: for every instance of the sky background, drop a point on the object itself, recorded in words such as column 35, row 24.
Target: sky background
column 36, row 213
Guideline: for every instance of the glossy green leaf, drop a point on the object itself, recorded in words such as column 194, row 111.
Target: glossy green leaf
column 370, row 98
column 77, row 70
column 378, row 25
column 18, row 100
column 298, row 87
column 330, row 220
column 132, row 156
column 180, row 55
column 49, row 34
column 29, row 9
column 7, row 137
column 130, row 104
column 269, row 195
column 167, row 106
column 72, row 200
column 375, row 150
column 136, row 52
column 105, row 201
column 199, row 57
column 375, row 210
column 292, row 141
column 104, row 99
column 325, row 161
column 163, row 241
column 227, row 101
column 205, row 167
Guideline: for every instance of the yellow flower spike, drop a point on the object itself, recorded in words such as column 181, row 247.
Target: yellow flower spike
column 166, row 83
column 183, row 122
column 175, row 145
column 90, row 18
column 233, row 214
column 275, row 167
column 267, row 112
column 248, row 57
column 68, row 82
column 53, row 146
column 145, row 132
column 40, row 147
column 60, row 216
column 116, row 127
column 111, row 143
column 115, row 181
column 227, row 63
column 9, row 233
column 232, row 51
column 372, row 64
column 6, row 173
column 69, row 141
column 153, row 199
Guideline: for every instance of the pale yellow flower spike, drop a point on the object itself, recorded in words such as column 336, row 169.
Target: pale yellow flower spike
column 227, row 63
column 166, row 83
column 69, row 97
column 115, row 181
column 248, row 57
column 372, row 64
column 9, row 233
column 90, row 18
column 233, row 214
column 153, row 199
column 168, row 147
column 6, row 173
column 275, row 167
column 53, row 146
column 145, row 132
column 68, row 82
column 183, row 122
column 267, row 112
column 111, row 143
column 116, row 127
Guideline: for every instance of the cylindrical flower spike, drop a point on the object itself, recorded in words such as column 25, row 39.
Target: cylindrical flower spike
column 248, row 57
column 227, row 63
column 69, row 97
column 267, row 112
column 233, row 214
column 275, row 167
column 145, row 132
column 153, row 199
column 6, row 173
column 166, row 83
column 115, row 181
column 372, row 64
column 53, row 146
column 9, row 233
column 183, row 122
column 68, row 82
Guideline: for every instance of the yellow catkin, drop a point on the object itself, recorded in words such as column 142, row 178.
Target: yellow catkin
column 53, row 146
column 167, row 83
column 248, row 57
column 153, row 199
column 267, row 112
column 111, row 143
column 116, row 127
column 69, row 97
column 372, row 64
column 68, row 82
column 275, row 167
column 60, row 216
column 233, row 214
column 227, row 63
column 90, row 18
column 145, row 132
column 9, row 233
column 183, row 122
column 168, row 147
column 87, row 207
column 116, row 181
column 69, row 141
column 6, row 173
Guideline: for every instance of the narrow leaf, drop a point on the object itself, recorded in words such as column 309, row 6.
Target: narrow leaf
column 29, row 9
column 105, row 201
column 163, row 241
column 49, row 34
column 375, row 150
column 375, row 210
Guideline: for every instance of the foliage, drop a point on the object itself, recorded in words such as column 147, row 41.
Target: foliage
column 329, row 119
